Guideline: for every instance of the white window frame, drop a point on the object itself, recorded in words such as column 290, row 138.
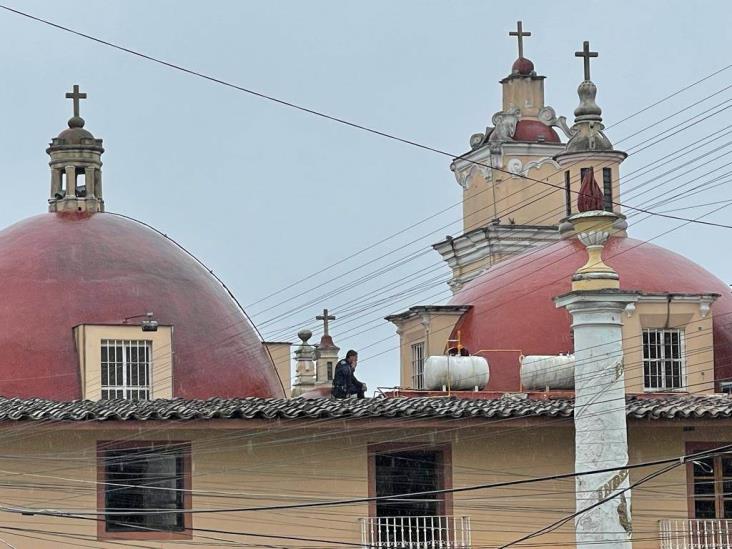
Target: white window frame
column 123, row 388
column 661, row 360
column 417, row 363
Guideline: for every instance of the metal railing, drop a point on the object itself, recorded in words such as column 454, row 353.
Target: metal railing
column 422, row 532
column 696, row 534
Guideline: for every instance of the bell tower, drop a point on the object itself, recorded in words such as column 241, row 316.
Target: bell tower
column 507, row 208
column 76, row 166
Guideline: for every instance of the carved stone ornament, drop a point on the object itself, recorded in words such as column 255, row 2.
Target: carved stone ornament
column 505, row 125
column 594, row 238
column 515, row 166
column 476, row 140
column 536, row 164
column 466, row 175
column 548, row 116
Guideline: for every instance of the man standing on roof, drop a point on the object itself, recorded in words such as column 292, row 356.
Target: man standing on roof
column 345, row 383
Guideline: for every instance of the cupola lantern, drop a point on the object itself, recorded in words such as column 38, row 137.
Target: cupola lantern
column 76, row 166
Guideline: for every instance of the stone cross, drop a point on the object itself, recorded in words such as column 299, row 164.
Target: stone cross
column 76, row 95
column 325, row 317
column 586, row 53
column 520, row 34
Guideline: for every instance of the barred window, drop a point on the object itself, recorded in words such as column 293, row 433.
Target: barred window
column 418, row 365
column 713, row 487
column 663, row 360
column 126, row 369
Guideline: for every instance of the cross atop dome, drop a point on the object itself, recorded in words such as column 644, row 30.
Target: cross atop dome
column 522, row 66
column 519, row 33
column 587, row 54
column 76, row 95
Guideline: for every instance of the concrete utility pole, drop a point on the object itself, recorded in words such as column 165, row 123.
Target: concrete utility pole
column 601, row 441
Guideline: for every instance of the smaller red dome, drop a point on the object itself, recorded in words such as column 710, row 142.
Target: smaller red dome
column 534, row 130
column 522, row 66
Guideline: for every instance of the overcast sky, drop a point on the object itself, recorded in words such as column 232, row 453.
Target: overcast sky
column 266, row 195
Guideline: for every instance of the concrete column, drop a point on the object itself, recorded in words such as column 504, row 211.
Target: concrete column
column 98, row 184
column 89, row 176
column 601, row 439
column 55, row 182
column 70, row 181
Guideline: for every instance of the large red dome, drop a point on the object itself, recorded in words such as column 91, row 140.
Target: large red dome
column 61, row 270
column 513, row 305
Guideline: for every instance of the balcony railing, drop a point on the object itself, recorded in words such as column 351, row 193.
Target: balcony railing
column 428, row 532
column 696, row 534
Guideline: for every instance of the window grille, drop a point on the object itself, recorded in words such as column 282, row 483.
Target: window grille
column 663, row 360
column 329, row 370
column 126, row 366
column 418, row 365
column 712, row 481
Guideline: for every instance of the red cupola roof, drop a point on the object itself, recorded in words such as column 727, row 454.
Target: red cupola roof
column 513, row 307
column 59, row 270
column 522, row 66
column 535, row 131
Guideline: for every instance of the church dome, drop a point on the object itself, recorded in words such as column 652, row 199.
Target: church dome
column 533, row 131
column 60, row 270
column 513, row 307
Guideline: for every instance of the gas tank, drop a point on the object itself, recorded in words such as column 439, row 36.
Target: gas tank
column 458, row 373
column 542, row 372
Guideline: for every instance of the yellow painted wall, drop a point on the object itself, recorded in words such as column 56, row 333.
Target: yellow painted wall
column 698, row 342
column 434, row 329
column 42, row 466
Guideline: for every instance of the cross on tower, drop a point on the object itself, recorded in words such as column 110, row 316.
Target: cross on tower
column 76, row 95
column 586, row 53
column 325, row 317
column 520, row 34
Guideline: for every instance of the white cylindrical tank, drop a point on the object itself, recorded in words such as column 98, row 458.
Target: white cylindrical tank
column 541, row 372
column 458, row 373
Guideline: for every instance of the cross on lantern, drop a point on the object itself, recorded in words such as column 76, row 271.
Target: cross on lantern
column 76, row 95
column 586, row 53
column 325, row 317
column 520, row 34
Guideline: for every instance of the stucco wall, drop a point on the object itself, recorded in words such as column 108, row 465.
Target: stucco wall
column 52, row 467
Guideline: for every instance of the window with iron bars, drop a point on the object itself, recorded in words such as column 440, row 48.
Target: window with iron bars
column 663, row 360
column 418, row 365
column 126, row 368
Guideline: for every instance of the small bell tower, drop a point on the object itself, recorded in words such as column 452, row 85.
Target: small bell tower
column 589, row 152
column 76, row 166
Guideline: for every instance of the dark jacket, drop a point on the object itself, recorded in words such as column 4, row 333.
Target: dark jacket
column 344, row 382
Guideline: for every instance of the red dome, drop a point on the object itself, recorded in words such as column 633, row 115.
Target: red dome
column 513, row 305
column 522, row 66
column 62, row 270
column 534, row 130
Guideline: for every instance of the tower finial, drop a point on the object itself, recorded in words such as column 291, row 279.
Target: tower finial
column 587, row 54
column 522, row 66
column 587, row 134
column 519, row 33
column 76, row 121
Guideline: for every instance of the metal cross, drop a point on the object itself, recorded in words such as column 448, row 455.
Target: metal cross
column 520, row 34
column 586, row 53
column 325, row 317
column 76, row 95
